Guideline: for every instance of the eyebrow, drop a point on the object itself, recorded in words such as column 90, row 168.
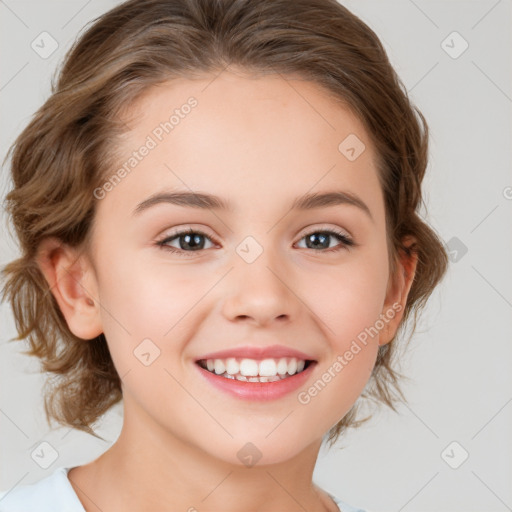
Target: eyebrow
column 209, row 201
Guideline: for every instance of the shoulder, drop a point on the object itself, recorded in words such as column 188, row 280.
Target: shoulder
column 345, row 507
column 53, row 493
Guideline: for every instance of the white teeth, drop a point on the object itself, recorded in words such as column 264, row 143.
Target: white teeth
column 232, row 366
column 252, row 370
column 282, row 366
column 249, row 367
column 267, row 368
column 219, row 366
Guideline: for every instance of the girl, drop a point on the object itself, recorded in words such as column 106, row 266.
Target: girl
column 217, row 213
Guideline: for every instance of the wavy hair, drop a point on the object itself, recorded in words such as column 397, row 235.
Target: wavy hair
column 65, row 152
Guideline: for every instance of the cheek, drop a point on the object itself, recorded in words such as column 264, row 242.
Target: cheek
column 150, row 299
column 348, row 298
column 141, row 303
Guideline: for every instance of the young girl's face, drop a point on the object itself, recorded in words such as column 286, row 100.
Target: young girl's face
column 260, row 274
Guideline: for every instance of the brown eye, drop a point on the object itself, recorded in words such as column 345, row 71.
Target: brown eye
column 319, row 240
column 188, row 241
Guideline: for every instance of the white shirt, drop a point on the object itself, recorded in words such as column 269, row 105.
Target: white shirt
column 55, row 493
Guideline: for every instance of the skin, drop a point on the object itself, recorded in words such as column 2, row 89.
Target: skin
column 259, row 142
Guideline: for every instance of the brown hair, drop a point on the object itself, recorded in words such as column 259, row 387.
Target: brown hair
column 66, row 151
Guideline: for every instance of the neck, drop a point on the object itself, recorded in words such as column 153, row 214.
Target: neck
column 150, row 469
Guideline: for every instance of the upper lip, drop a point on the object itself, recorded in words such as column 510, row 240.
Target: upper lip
column 252, row 352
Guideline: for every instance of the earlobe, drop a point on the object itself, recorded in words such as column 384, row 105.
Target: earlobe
column 398, row 291
column 73, row 284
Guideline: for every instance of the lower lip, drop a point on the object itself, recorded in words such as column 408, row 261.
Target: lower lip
column 258, row 390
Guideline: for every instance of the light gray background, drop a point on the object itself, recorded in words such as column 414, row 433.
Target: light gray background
column 459, row 359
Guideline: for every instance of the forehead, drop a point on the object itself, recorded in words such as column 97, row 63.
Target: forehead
column 241, row 136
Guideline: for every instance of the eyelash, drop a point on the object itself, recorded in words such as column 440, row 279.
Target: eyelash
column 346, row 242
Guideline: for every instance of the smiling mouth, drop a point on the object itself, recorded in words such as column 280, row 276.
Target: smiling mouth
column 254, row 370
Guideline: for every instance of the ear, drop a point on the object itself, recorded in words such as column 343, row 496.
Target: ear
column 398, row 291
column 72, row 282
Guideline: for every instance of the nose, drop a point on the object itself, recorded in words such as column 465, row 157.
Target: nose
column 260, row 293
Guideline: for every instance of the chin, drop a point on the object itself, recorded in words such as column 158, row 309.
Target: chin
column 247, row 451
